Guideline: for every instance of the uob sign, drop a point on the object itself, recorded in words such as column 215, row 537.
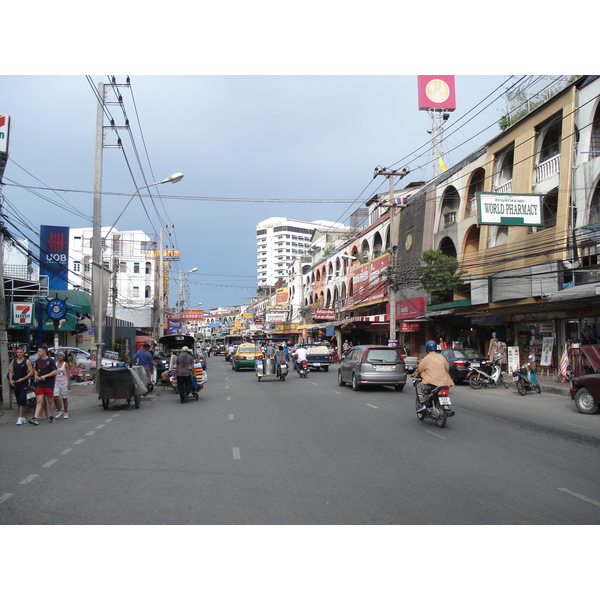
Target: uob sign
column 54, row 255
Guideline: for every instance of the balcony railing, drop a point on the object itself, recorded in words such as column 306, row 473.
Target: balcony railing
column 505, row 188
column 547, row 168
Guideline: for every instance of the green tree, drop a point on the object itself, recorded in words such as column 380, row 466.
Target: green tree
column 439, row 275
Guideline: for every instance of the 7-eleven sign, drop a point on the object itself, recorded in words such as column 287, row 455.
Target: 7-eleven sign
column 21, row 313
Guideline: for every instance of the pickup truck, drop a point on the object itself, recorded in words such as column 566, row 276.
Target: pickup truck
column 318, row 357
column 410, row 362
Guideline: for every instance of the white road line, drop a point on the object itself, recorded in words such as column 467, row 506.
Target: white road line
column 78, row 442
column 436, row 434
column 337, row 392
column 4, row 497
column 580, row 496
column 117, row 415
column 231, row 417
column 575, row 425
column 28, row 479
column 236, row 454
column 228, row 398
column 100, row 426
column 66, row 451
column 90, row 433
column 372, row 406
column 108, row 420
column 50, row 463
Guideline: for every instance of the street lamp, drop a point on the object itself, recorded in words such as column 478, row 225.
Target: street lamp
column 100, row 309
column 180, row 286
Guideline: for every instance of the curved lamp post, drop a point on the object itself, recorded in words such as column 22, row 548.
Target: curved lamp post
column 99, row 318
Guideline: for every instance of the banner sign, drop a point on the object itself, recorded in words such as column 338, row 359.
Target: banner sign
column 509, row 209
column 408, row 326
column 167, row 254
column 4, row 139
column 21, row 313
column 326, row 314
column 174, row 327
column 281, row 295
column 369, row 281
column 514, row 360
column 408, row 309
column 547, row 345
column 54, row 255
column 276, row 317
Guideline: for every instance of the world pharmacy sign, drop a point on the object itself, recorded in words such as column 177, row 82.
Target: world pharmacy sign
column 509, row 209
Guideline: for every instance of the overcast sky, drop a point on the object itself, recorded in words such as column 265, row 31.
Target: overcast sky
column 257, row 143
column 303, row 147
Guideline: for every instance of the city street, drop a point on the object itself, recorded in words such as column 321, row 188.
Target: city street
column 304, row 451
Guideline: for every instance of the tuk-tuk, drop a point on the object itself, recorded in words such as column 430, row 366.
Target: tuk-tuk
column 266, row 366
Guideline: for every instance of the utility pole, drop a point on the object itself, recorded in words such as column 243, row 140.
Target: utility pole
column 98, row 304
column 391, row 204
column 4, row 361
column 114, row 301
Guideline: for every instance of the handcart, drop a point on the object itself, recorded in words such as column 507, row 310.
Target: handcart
column 120, row 383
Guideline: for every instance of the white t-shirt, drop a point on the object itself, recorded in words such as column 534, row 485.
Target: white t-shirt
column 300, row 354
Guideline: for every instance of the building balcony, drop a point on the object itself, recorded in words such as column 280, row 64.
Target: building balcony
column 505, row 188
column 547, row 169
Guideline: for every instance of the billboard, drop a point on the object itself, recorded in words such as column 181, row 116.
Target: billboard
column 509, row 209
column 4, row 139
column 324, row 313
column 54, row 255
column 437, row 92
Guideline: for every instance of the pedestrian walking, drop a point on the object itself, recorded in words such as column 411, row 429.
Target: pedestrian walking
column 183, row 369
column 62, row 386
column 143, row 357
column 45, row 372
column 19, row 374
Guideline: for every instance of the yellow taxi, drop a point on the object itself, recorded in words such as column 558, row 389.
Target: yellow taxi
column 245, row 356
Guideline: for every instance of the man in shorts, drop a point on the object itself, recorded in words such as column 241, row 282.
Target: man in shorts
column 19, row 373
column 62, row 385
column 45, row 371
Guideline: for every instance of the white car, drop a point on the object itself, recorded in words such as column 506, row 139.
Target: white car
column 81, row 357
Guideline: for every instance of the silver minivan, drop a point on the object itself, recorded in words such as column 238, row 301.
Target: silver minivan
column 369, row 365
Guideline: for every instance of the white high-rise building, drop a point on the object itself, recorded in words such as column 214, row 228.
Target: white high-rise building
column 280, row 240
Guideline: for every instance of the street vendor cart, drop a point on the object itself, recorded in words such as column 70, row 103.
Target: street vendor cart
column 121, row 383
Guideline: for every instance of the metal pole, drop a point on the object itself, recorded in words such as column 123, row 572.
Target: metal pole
column 393, row 253
column 161, row 288
column 97, row 233
column 4, row 361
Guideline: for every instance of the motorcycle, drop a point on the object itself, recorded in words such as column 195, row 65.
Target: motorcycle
column 526, row 380
column 303, row 371
column 478, row 378
column 438, row 406
column 282, row 370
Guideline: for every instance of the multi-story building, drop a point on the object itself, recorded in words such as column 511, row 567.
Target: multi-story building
column 279, row 241
column 131, row 269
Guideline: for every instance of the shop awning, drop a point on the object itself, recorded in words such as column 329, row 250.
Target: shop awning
column 577, row 292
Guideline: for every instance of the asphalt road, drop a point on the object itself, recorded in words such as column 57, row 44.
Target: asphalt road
column 304, row 451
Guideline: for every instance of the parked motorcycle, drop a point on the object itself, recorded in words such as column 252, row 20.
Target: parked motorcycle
column 478, row 378
column 303, row 372
column 438, row 406
column 526, row 380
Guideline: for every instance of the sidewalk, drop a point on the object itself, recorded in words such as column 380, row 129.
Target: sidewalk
column 82, row 396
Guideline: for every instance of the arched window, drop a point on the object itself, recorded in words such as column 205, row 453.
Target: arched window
column 450, row 205
column 147, row 291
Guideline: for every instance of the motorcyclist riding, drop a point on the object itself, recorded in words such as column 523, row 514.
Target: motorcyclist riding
column 433, row 370
column 300, row 355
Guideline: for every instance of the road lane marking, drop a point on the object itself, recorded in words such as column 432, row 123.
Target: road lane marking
column 90, row 433
column 436, row 434
column 66, row 451
column 50, row 463
column 231, row 417
column 580, row 496
column 4, row 497
column 372, row 406
column 575, row 425
column 28, row 479
column 336, row 392
column 228, row 397
column 236, row 454
column 108, row 420
column 78, row 442
column 100, row 426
